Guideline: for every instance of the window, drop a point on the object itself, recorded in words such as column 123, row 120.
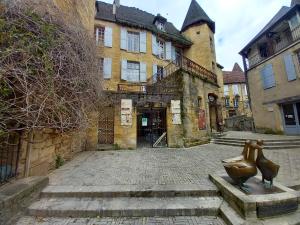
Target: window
column 235, row 89
column 133, row 41
column 160, row 26
column 290, row 67
column 227, row 102
column 245, row 90
column 213, row 65
column 263, row 50
column 100, row 33
column 268, row 78
column 226, row 90
column 212, row 47
column 294, row 22
column 199, row 102
column 161, row 49
column 236, row 102
column 101, row 65
column 133, row 71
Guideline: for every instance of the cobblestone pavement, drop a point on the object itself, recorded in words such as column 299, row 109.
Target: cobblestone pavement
column 124, row 221
column 163, row 166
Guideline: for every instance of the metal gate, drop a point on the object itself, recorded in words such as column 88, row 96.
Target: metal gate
column 9, row 156
column 106, row 126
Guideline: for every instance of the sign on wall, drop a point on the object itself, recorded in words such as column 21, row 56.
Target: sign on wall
column 202, row 120
column 176, row 112
column 126, row 112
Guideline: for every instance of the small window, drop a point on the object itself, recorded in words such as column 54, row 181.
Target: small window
column 212, row 46
column 198, row 32
column 213, row 65
column 160, row 26
column 199, row 102
column 227, row 102
column 226, row 90
column 133, row 41
column 133, row 71
column 161, row 49
column 99, row 33
column 236, row 102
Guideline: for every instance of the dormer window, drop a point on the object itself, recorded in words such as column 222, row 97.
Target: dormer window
column 160, row 26
column 159, row 22
column 294, row 21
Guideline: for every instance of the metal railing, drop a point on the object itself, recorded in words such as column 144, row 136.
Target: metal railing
column 290, row 38
column 9, row 156
column 183, row 63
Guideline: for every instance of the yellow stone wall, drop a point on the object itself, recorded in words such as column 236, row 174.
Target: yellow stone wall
column 269, row 115
column 201, row 51
column 82, row 10
column 117, row 55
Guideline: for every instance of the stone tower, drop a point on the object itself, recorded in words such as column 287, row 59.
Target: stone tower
column 200, row 29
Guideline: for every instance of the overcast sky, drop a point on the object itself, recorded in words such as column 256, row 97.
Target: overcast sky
column 237, row 21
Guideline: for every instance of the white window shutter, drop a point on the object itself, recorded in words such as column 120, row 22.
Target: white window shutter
column 108, row 37
column 154, row 73
column 154, row 45
column 97, row 36
column 143, row 41
column 268, row 78
column 123, row 38
column 173, row 53
column 124, row 70
column 107, row 65
column 168, row 50
column 143, row 72
column 290, row 67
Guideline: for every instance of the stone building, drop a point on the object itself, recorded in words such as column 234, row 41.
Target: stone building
column 165, row 83
column 271, row 62
column 235, row 93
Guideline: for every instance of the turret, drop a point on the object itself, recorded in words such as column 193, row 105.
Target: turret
column 200, row 29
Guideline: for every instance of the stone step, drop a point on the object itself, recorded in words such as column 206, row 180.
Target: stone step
column 177, row 220
column 273, row 147
column 102, row 147
column 125, row 207
column 114, row 191
column 265, row 140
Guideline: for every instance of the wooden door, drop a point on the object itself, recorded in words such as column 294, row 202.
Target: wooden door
column 106, row 126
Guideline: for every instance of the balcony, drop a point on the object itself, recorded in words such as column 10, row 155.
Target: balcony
column 153, row 84
column 274, row 45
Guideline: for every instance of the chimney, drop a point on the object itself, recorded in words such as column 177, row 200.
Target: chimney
column 115, row 6
column 295, row 2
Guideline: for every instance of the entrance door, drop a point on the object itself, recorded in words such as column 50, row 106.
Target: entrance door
column 291, row 118
column 106, row 126
column 151, row 125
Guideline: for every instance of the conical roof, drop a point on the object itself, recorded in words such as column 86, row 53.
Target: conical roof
column 196, row 15
column 237, row 68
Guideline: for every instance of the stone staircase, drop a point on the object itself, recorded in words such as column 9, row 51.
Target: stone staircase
column 278, row 144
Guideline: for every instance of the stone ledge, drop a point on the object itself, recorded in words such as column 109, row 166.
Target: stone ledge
column 16, row 196
column 257, row 206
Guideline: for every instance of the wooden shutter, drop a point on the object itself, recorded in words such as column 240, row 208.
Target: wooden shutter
column 107, row 63
column 143, row 41
column 154, row 73
column 108, row 37
column 123, row 38
column 168, row 50
column 97, row 36
column 124, row 70
column 173, row 53
column 290, row 67
column 143, row 72
column 268, row 78
column 154, row 45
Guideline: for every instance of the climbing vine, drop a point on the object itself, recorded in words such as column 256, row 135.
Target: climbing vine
column 49, row 75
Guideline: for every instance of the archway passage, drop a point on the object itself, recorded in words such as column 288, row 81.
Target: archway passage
column 151, row 125
column 214, row 112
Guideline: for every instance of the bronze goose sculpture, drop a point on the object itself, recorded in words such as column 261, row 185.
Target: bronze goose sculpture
column 268, row 169
column 241, row 171
column 242, row 156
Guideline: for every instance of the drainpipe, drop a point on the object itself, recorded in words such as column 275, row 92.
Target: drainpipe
column 247, row 85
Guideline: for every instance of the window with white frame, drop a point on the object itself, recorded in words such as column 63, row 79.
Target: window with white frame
column 133, row 41
column 160, row 26
column 227, row 102
column 161, row 49
column 133, row 71
column 100, row 34
column 235, row 88
column 236, row 102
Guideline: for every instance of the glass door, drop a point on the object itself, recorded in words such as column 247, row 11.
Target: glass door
column 291, row 116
